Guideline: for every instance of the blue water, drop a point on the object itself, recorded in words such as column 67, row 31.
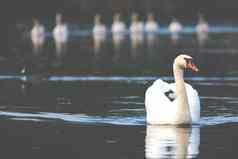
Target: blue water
column 215, row 29
column 116, row 78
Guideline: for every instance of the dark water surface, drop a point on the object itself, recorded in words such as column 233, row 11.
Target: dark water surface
column 106, row 119
column 89, row 103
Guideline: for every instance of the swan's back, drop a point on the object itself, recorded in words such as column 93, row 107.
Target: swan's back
column 151, row 27
column 118, row 28
column 38, row 34
column 60, row 33
column 99, row 32
column 161, row 105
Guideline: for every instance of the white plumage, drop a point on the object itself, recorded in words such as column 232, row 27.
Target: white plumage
column 137, row 31
column 38, row 34
column 151, row 27
column 175, row 103
column 60, row 33
column 99, row 32
column 160, row 110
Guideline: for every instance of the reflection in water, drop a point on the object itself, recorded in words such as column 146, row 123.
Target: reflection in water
column 138, row 54
column 171, row 142
column 37, row 36
column 152, row 52
column 120, row 54
column 137, row 38
column 118, row 37
column 60, row 35
column 151, row 30
column 23, row 88
column 101, row 55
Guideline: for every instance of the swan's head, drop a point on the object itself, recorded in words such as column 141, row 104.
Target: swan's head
column 185, row 62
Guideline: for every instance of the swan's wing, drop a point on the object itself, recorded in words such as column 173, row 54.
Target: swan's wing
column 160, row 90
column 165, row 89
column 159, row 106
column 193, row 101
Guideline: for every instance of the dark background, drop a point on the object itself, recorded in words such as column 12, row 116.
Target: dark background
column 83, row 9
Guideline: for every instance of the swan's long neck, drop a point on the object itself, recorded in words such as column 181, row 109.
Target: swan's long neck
column 183, row 112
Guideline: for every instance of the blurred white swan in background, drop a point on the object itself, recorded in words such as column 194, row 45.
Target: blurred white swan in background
column 118, row 29
column 99, row 32
column 151, row 28
column 37, row 35
column 202, row 29
column 60, row 34
column 175, row 28
column 136, row 30
column 171, row 142
column 175, row 103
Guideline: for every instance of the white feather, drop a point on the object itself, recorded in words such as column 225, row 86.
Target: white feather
column 160, row 110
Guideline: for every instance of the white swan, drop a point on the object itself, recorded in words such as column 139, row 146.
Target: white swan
column 136, row 29
column 60, row 34
column 37, row 35
column 175, row 28
column 202, row 29
column 99, row 29
column 175, row 103
column 151, row 27
column 118, row 29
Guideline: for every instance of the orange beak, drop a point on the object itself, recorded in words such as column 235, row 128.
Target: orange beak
column 192, row 66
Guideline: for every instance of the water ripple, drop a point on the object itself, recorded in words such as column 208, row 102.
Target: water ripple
column 97, row 120
column 215, row 120
column 142, row 79
column 74, row 118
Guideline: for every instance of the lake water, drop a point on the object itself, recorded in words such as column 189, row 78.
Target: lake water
column 90, row 104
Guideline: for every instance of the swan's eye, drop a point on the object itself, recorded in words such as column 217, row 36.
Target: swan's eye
column 188, row 60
